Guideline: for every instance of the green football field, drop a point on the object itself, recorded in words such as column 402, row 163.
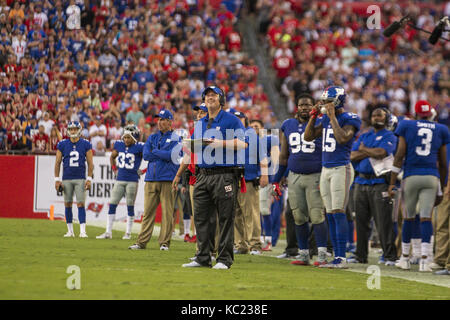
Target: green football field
column 34, row 258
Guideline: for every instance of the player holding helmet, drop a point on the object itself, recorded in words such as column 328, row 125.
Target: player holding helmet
column 73, row 153
column 128, row 153
column 338, row 129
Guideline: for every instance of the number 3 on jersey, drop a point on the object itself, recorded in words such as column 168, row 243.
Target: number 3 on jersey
column 121, row 160
column 328, row 141
column 425, row 148
column 297, row 143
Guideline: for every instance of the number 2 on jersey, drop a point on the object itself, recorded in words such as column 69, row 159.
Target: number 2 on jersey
column 74, row 156
column 425, row 147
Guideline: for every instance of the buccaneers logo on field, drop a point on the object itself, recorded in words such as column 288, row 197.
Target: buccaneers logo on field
column 95, row 207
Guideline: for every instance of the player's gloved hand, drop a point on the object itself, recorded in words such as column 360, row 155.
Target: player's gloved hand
column 276, row 191
column 314, row 113
column 141, row 172
column 114, row 169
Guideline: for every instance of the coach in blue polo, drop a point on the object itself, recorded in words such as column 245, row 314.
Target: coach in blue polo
column 218, row 172
column 161, row 170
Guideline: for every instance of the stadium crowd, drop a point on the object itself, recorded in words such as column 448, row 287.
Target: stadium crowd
column 313, row 46
column 121, row 61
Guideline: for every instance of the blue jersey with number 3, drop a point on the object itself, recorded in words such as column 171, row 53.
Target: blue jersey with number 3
column 423, row 141
column 128, row 161
column 74, row 158
column 333, row 153
column 305, row 157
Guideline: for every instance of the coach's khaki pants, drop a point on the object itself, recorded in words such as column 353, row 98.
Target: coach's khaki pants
column 247, row 222
column 442, row 256
column 156, row 192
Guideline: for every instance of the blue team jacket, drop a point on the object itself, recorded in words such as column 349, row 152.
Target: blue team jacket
column 158, row 152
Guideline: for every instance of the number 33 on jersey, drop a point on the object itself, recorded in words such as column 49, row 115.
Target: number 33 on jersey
column 128, row 160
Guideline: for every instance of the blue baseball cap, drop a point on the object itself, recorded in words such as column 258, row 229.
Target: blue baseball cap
column 201, row 107
column 164, row 114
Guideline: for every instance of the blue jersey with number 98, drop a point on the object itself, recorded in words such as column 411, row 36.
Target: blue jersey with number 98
column 305, row 157
column 423, row 141
column 128, row 161
column 74, row 158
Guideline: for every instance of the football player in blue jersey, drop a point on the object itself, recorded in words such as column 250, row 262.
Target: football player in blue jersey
column 304, row 161
column 74, row 153
column 422, row 144
column 338, row 130
column 128, row 155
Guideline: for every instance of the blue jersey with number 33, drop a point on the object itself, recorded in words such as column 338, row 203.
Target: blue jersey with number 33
column 74, row 158
column 423, row 140
column 128, row 161
column 333, row 153
column 305, row 157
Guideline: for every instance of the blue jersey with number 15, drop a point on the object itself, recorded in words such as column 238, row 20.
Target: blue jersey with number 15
column 423, row 141
column 74, row 158
column 333, row 153
column 128, row 160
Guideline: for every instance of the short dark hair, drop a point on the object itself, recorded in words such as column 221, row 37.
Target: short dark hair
column 305, row 96
column 259, row 121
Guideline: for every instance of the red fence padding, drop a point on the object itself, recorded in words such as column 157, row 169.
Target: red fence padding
column 17, row 188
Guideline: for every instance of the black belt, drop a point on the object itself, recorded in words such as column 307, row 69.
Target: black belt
column 219, row 170
column 371, row 176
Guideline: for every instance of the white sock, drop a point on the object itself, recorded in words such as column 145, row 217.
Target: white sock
column 70, row 227
column 82, row 227
column 426, row 249
column 109, row 223
column 406, row 247
column 187, row 226
column 269, row 239
column 416, row 247
column 130, row 220
column 262, row 239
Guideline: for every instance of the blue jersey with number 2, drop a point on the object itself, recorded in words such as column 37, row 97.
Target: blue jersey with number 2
column 74, row 158
column 423, row 141
column 128, row 160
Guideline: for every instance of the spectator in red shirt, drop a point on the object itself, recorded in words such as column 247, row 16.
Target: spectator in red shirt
column 40, row 141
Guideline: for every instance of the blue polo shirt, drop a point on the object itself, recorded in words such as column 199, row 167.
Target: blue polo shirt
column 225, row 126
column 382, row 139
column 252, row 159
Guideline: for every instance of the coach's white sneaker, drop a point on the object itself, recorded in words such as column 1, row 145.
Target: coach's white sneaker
column 255, row 252
column 69, row 235
column 105, row 235
column 221, row 266
column 126, row 236
column 424, row 266
column 164, row 247
column 83, row 235
column 193, row 264
column 403, row 263
column 135, row 247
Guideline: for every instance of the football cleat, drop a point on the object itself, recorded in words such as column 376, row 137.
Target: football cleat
column 403, row 263
column 193, row 239
column 415, row 259
column 321, row 258
column 187, row 238
column 424, row 266
column 268, row 247
column 126, row 236
column 303, row 259
column 255, row 252
column 105, row 235
column 69, row 235
column 83, row 235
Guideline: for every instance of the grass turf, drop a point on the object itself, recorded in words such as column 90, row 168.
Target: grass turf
column 34, row 258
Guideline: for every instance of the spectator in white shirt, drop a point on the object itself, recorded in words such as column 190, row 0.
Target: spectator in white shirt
column 47, row 123
column 97, row 132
